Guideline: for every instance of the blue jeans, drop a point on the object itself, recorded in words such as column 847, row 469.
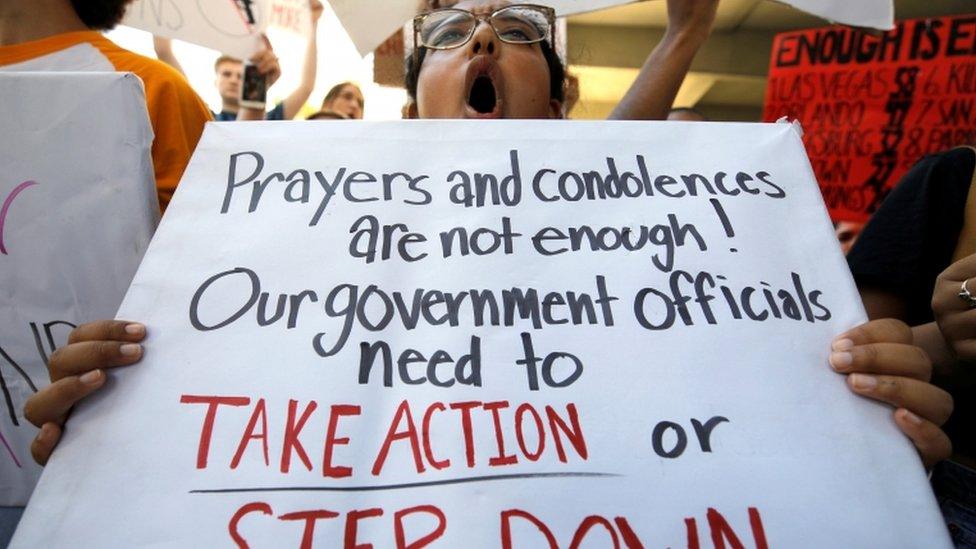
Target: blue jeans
column 9, row 517
column 955, row 488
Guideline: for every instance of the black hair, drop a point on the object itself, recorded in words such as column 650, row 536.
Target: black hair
column 100, row 14
column 557, row 72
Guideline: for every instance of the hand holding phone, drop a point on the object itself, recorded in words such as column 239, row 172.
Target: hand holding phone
column 254, row 89
column 260, row 73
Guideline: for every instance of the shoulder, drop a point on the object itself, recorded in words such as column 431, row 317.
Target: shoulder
column 151, row 71
column 946, row 174
column 166, row 88
column 954, row 162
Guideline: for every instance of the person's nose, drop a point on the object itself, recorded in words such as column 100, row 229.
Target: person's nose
column 484, row 41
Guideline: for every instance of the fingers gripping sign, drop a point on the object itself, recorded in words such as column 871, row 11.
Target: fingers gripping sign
column 78, row 370
column 882, row 364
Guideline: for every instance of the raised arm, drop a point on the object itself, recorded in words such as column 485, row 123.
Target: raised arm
column 651, row 95
column 293, row 103
column 164, row 52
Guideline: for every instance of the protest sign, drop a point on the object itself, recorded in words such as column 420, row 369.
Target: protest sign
column 873, row 14
column 478, row 334
column 77, row 199
column 291, row 15
column 231, row 27
column 370, row 22
column 871, row 107
column 388, row 66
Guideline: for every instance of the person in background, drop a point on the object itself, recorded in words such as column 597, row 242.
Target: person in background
column 229, row 78
column 686, row 114
column 327, row 115
column 915, row 261
column 847, row 233
column 229, row 73
column 346, row 99
column 63, row 35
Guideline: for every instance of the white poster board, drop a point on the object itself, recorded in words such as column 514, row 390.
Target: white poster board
column 370, row 22
column 294, row 16
column 231, row 27
column 544, row 386
column 78, row 210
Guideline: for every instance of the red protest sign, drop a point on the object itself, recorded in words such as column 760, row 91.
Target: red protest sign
column 872, row 106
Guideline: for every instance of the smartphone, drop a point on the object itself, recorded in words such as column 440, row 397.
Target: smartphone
column 254, row 90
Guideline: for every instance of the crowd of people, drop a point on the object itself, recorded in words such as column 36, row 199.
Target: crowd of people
column 913, row 263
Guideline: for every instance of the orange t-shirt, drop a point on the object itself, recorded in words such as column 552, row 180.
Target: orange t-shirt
column 177, row 113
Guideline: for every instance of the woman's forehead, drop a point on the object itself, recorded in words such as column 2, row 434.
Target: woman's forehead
column 480, row 6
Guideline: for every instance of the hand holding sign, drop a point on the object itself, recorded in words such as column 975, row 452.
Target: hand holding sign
column 883, row 365
column 75, row 153
column 538, row 329
column 77, row 370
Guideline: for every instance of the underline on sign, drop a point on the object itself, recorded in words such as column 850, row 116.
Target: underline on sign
column 488, row 478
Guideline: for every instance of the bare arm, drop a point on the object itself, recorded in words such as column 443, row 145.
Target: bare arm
column 293, row 103
column 651, row 95
column 164, row 52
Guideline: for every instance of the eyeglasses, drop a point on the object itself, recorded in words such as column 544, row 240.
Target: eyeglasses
column 450, row 28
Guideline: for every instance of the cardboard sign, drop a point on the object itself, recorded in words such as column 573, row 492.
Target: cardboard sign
column 871, row 107
column 78, row 210
column 370, row 22
column 231, row 27
column 488, row 334
column 389, row 68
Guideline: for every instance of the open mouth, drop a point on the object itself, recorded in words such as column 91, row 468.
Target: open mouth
column 484, row 81
column 482, row 97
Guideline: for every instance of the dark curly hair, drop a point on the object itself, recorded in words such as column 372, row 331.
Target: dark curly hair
column 100, row 14
column 557, row 72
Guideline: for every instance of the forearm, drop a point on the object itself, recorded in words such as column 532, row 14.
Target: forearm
column 295, row 101
column 164, row 52
column 652, row 94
